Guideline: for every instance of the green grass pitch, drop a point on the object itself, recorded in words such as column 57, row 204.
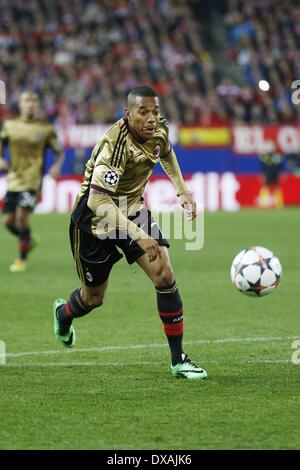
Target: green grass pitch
column 115, row 391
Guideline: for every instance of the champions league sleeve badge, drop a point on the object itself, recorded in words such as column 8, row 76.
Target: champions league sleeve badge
column 111, row 177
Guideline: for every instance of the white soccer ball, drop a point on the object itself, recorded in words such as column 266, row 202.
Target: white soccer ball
column 256, row 271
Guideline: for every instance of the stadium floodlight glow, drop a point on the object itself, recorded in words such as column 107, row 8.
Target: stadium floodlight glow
column 264, row 85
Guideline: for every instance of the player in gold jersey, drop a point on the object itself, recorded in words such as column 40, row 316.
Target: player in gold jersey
column 27, row 138
column 109, row 216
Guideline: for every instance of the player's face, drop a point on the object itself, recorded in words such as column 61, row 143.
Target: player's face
column 28, row 105
column 143, row 116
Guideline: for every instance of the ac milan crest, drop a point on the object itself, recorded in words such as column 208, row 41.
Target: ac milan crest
column 157, row 151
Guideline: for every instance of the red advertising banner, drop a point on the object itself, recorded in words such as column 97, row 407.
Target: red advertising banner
column 214, row 191
column 250, row 185
column 256, row 139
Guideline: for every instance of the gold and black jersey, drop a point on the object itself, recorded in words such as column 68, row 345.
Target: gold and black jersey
column 120, row 167
column 27, row 141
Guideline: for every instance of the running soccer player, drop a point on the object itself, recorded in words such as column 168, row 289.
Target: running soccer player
column 27, row 138
column 109, row 215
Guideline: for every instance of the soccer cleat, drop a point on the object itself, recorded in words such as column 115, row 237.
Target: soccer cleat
column 18, row 266
column 66, row 336
column 188, row 370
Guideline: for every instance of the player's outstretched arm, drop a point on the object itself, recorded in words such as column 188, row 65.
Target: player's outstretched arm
column 172, row 168
column 54, row 171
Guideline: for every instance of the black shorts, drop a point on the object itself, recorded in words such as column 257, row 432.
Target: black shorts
column 25, row 199
column 95, row 257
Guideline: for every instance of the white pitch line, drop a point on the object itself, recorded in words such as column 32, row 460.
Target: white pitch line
column 78, row 363
column 153, row 345
column 141, row 363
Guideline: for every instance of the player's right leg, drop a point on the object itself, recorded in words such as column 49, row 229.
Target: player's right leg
column 10, row 223
column 25, row 239
column 170, row 310
column 169, row 303
column 94, row 260
column 264, row 197
column 17, row 208
column 9, row 213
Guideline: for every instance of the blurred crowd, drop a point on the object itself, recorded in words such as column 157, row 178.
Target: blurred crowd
column 82, row 57
column 264, row 39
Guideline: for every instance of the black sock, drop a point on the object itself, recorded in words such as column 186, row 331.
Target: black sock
column 25, row 242
column 171, row 314
column 74, row 308
column 12, row 229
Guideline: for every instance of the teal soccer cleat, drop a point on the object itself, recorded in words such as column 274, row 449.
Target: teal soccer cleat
column 66, row 336
column 188, row 370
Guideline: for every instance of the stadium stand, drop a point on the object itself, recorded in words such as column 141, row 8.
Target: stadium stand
column 82, row 57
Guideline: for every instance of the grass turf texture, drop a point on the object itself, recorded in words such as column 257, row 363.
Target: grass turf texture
column 109, row 397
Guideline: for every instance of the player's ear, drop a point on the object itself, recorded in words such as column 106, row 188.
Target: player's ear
column 127, row 114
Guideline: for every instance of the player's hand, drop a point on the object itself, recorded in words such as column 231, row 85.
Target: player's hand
column 3, row 165
column 54, row 170
column 150, row 246
column 189, row 206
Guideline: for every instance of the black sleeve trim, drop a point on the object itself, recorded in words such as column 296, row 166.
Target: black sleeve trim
column 101, row 190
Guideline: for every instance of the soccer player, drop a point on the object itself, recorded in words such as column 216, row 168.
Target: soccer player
column 270, row 194
column 109, row 215
column 27, row 138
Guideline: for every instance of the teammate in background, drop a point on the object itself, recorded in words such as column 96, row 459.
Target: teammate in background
column 270, row 194
column 27, row 138
column 109, row 215
column 293, row 162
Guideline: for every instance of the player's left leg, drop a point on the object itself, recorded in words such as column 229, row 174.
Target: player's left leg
column 170, row 310
column 94, row 259
column 278, row 197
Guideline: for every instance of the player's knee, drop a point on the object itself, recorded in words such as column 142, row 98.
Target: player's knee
column 9, row 221
column 9, row 224
column 165, row 276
